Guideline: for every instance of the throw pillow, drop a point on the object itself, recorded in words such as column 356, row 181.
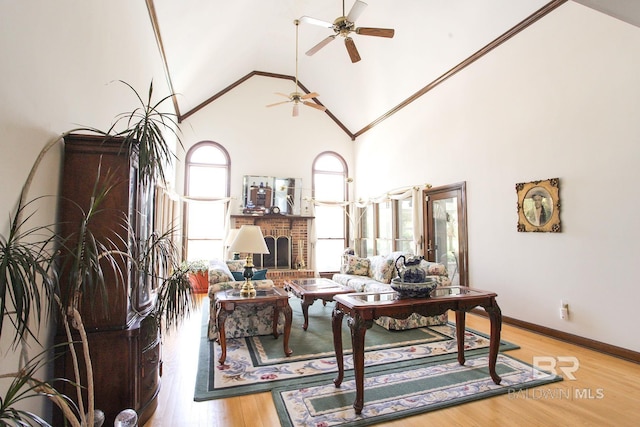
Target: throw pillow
column 434, row 268
column 217, row 275
column 236, row 264
column 237, row 276
column 356, row 265
column 219, row 272
column 260, row 275
column 381, row 269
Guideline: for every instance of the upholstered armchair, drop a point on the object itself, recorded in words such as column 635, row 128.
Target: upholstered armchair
column 245, row 320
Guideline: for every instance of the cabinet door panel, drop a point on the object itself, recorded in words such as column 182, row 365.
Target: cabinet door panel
column 86, row 163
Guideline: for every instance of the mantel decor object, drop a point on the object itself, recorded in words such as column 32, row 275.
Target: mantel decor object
column 250, row 241
column 539, row 206
column 262, row 194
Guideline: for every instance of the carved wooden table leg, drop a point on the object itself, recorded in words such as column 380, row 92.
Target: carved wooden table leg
column 286, row 309
column 276, row 317
column 221, row 314
column 460, row 325
column 336, row 326
column 358, row 329
column 305, row 303
column 495, row 316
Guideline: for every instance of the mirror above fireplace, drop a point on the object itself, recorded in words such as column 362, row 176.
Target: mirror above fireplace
column 261, row 194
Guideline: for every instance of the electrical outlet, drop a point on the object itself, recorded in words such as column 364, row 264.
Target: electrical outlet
column 564, row 309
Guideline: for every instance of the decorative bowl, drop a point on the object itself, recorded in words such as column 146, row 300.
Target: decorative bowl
column 413, row 290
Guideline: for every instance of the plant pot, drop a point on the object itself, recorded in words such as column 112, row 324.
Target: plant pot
column 199, row 281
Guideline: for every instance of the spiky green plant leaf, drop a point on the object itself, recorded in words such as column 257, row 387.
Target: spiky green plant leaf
column 175, row 300
column 24, row 385
column 25, row 267
column 144, row 136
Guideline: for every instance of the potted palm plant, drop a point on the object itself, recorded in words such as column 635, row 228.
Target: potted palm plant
column 29, row 273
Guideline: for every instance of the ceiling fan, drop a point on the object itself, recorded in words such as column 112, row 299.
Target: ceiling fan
column 297, row 97
column 344, row 26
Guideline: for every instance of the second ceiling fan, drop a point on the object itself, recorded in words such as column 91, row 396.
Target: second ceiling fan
column 345, row 25
column 297, row 97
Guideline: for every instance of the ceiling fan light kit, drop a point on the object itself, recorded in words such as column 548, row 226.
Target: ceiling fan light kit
column 297, row 97
column 342, row 26
column 345, row 25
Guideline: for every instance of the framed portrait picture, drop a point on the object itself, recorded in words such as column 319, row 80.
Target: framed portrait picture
column 539, row 205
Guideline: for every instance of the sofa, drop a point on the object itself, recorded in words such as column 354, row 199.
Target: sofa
column 374, row 274
column 245, row 320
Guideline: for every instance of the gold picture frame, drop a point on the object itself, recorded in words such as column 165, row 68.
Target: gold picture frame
column 539, row 206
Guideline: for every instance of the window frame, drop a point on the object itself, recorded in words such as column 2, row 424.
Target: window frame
column 187, row 182
column 395, row 238
column 344, row 174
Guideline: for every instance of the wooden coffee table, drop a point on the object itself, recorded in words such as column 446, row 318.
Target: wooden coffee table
column 227, row 301
column 309, row 290
column 364, row 308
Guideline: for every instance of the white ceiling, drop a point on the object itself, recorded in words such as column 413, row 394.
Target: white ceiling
column 210, row 44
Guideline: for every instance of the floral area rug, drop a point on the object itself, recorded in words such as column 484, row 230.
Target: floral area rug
column 399, row 393
column 256, row 364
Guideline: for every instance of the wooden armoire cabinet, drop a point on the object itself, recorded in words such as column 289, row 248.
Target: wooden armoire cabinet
column 123, row 336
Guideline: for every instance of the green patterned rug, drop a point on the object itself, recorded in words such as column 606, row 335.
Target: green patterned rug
column 399, row 393
column 256, row 364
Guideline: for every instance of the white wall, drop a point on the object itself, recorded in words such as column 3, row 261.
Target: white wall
column 59, row 60
column 264, row 141
column 558, row 100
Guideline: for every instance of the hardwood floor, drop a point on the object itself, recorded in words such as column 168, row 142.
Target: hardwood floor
column 604, row 393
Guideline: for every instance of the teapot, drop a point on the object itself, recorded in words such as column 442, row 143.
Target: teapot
column 410, row 271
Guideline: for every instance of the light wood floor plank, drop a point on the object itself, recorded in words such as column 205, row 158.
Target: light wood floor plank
column 577, row 402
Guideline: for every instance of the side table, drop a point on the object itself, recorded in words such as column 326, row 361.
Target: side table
column 309, row 290
column 363, row 308
column 227, row 301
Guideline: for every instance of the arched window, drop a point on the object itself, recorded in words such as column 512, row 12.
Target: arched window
column 207, row 189
column 330, row 194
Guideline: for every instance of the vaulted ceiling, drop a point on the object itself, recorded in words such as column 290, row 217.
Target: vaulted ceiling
column 209, row 45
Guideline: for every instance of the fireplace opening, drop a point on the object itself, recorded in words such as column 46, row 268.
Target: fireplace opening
column 279, row 256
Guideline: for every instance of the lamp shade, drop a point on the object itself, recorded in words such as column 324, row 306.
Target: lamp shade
column 249, row 240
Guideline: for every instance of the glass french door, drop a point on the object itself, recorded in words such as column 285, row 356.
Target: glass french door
column 446, row 230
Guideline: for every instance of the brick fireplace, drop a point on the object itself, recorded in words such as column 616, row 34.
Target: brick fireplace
column 287, row 237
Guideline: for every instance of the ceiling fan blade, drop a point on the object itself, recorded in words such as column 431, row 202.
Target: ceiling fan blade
column 278, row 103
column 314, row 105
column 320, row 45
column 351, row 48
column 282, row 94
column 356, row 10
column 295, row 110
column 378, row 32
column 310, row 95
column 315, row 21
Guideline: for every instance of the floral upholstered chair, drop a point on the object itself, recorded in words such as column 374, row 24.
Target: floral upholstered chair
column 245, row 320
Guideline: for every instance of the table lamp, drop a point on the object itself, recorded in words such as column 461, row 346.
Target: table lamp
column 250, row 241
